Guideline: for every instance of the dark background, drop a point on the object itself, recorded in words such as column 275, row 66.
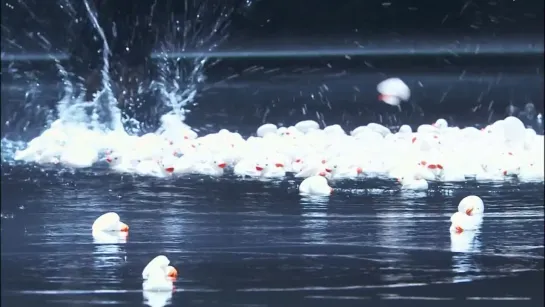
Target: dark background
column 474, row 59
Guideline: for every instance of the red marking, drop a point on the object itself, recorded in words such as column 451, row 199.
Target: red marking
column 172, row 273
column 298, row 161
column 432, row 166
column 359, row 170
column 186, row 137
column 469, row 211
column 222, row 165
column 458, row 229
column 124, row 227
column 109, row 160
column 323, row 161
column 505, row 173
column 169, row 169
column 439, row 166
column 414, row 139
column 328, row 170
column 322, row 174
column 258, row 168
column 435, row 137
column 423, row 163
column 193, row 145
column 279, row 165
column 510, row 153
column 383, row 97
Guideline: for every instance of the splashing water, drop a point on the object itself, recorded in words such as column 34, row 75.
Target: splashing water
column 100, row 121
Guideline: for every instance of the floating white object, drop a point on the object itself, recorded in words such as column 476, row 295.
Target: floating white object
column 109, row 222
column 266, row 129
column 471, row 205
column 159, row 264
column 393, row 91
column 315, row 185
column 307, row 125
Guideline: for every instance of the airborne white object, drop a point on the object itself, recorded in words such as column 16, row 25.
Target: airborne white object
column 393, row 91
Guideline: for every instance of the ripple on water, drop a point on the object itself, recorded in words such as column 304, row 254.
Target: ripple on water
column 253, row 237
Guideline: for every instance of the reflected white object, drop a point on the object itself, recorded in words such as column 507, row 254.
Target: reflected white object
column 157, row 299
column 461, row 222
column 462, row 242
column 393, row 91
column 103, row 237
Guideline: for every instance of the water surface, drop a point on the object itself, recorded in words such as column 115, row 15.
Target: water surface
column 246, row 242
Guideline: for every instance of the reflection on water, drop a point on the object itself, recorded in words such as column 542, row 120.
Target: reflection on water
column 243, row 242
column 157, row 299
column 314, row 219
column 462, row 245
column 108, row 252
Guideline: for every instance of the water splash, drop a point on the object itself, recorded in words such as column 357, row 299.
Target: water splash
column 180, row 77
column 202, row 28
column 106, row 114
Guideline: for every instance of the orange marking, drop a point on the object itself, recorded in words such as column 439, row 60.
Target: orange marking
column 458, row 229
column 172, row 272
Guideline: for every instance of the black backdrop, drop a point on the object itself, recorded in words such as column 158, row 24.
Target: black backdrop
column 507, row 77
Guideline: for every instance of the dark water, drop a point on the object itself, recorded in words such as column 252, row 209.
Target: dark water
column 252, row 243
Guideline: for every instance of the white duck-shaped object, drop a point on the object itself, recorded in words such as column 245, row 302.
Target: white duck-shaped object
column 159, row 266
column 158, row 275
column 415, row 183
column 315, row 185
column 271, row 169
column 393, row 91
column 471, row 205
column 109, row 222
column 461, row 222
